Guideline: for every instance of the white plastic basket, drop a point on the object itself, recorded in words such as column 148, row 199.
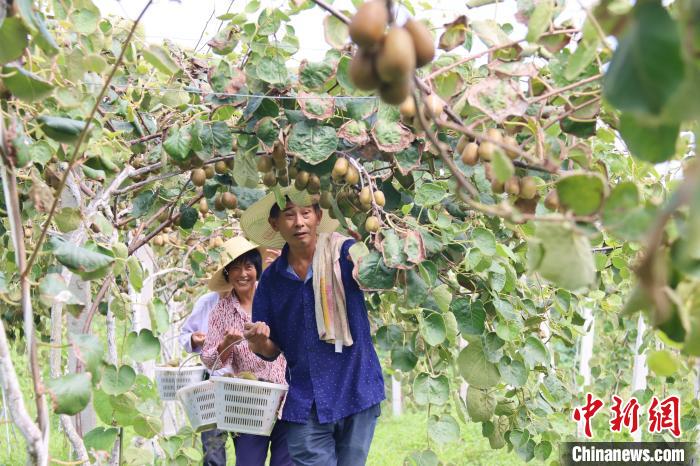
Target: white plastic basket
column 247, row 406
column 200, row 405
column 172, row 379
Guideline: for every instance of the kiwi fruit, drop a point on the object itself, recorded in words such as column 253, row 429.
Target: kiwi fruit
column 293, row 171
column 362, row 72
column 423, row 42
column 551, row 200
column 486, row 150
column 203, row 206
column 395, row 93
column 379, row 198
column 229, row 200
column 326, row 200
column 278, row 151
column 210, row 171
column 366, row 198
column 314, row 184
column 352, row 176
column 510, row 140
column 301, row 180
column 461, row 144
column 269, row 179
column 368, row 25
column 158, row 240
column 512, row 185
column 221, row 167
column 283, row 179
column 280, row 163
column 264, row 164
column 340, row 168
column 408, row 107
column 497, row 186
column 246, row 375
column 470, row 154
column 435, row 104
column 230, row 162
column 528, row 187
column 198, row 177
column 372, row 224
column 218, row 204
column 494, row 134
column 393, row 62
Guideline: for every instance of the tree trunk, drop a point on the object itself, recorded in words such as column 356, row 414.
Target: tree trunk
column 639, row 370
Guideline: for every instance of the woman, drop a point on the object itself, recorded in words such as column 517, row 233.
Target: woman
column 236, row 281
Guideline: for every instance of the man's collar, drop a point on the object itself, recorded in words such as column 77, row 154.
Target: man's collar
column 282, row 262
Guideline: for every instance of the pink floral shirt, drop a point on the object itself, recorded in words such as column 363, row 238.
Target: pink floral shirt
column 227, row 314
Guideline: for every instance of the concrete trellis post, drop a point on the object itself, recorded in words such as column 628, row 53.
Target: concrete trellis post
column 640, row 369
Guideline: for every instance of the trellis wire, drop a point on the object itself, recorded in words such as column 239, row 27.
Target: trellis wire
column 258, row 96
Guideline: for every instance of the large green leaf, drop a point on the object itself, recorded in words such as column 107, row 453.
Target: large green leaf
column 53, row 289
column 142, row 346
column 648, row 140
column 373, row 274
column 90, row 351
column 513, row 372
column 663, row 363
column 312, row 143
column 403, row 359
column 623, row 215
column 101, row 438
column 647, row 67
column 431, row 390
column 433, row 329
column 540, row 19
column 484, row 240
column 147, row 426
column 583, row 193
column 78, row 259
column 470, row 316
column 117, row 380
column 335, row 31
column 562, row 254
column 443, row 429
column 315, row 75
column 481, row 404
column 178, row 143
column 70, row 393
column 25, row 85
column 475, row 367
column 14, row 39
column 245, row 170
column 272, row 70
column 534, row 352
column 160, row 59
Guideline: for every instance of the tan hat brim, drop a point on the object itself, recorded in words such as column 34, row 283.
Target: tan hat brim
column 233, row 249
column 256, row 226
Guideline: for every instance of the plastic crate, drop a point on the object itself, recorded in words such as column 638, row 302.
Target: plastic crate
column 171, row 379
column 199, row 402
column 247, row 406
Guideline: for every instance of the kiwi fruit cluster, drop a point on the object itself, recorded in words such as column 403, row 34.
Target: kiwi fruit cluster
column 383, row 60
column 166, row 237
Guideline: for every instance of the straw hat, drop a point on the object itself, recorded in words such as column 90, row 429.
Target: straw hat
column 256, row 227
column 232, row 250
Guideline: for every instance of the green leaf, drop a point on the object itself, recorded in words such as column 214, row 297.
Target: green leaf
column 454, row 35
column 623, row 215
column 268, row 131
column 312, row 143
column 161, row 60
column 470, row 316
column 423, row 458
column 430, row 194
column 443, row 429
column 475, row 367
column 403, row 359
column 647, row 140
column 142, row 346
column 502, row 166
column 335, row 32
column 53, row 289
column 314, row 76
column 374, row 274
column 77, row 258
column 143, row 203
column 583, row 193
column 116, row 381
column 70, row 393
column 431, row 390
column 147, row 426
column 513, row 372
column 273, row 71
column 392, row 249
column 583, row 56
column 135, row 273
column 14, row 39
column 68, row 219
column 25, row 85
column 562, row 254
column 433, row 329
column 647, row 67
column 416, row 289
column 663, row 363
column 534, row 352
column 543, row 450
column 85, row 20
column 101, row 438
column 484, row 240
column 245, row 171
column 90, row 351
column 540, row 20
column 178, row 143
column 480, row 404
column 61, row 129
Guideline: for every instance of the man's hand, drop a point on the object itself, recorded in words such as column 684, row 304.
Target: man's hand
column 256, row 333
column 197, row 339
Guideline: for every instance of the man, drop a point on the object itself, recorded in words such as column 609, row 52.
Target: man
column 333, row 401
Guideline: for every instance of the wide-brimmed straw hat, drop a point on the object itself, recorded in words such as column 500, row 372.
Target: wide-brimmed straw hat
column 256, row 227
column 231, row 250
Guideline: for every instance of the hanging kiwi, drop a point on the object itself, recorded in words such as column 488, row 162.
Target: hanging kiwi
column 512, row 185
column 352, row 176
column 362, row 72
column 372, row 224
column 528, row 187
column 264, row 164
column 551, row 200
column 408, row 107
column 229, row 200
column 220, row 167
column 423, row 42
column 326, row 200
column 314, row 184
column 393, row 63
column 470, row 154
column 366, row 198
column 198, row 177
column 269, row 179
column 395, row 93
column 340, row 168
column 379, row 198
column 301, row 180
column 210, row 171
column 368, row 25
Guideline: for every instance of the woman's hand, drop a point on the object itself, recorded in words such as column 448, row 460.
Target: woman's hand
column 197, row 339
column 231, row 337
